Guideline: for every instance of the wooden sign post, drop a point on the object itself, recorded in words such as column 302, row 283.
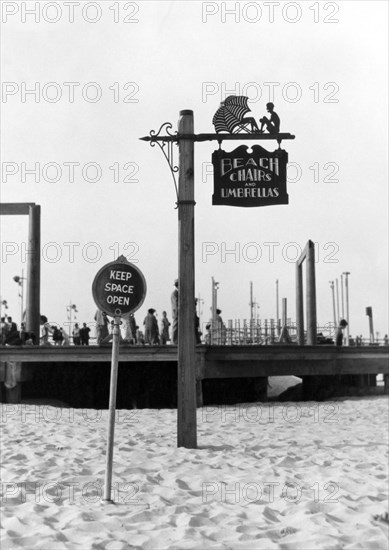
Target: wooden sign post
column 262, row 181
column 186, row 381
column 119, row 288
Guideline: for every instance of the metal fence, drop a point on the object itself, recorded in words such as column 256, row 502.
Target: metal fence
column 267, row 332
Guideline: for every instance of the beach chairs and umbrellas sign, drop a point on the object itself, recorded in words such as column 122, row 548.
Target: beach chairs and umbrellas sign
column 119, row 288
column 245, row 177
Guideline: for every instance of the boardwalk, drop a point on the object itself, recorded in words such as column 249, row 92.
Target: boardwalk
column 226, row 361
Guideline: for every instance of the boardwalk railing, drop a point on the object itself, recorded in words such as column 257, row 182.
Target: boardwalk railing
column 268, row 332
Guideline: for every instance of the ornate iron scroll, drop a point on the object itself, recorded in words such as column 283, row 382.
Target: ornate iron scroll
column 166, row 147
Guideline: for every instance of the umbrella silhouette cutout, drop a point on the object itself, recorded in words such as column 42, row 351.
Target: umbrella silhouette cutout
column 230, row 114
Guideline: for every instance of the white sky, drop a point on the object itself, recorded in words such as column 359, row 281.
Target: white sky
column 174, row 54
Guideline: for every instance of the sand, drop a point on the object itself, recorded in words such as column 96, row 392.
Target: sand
column 265, row 476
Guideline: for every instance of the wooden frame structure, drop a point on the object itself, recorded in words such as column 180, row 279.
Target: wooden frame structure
column 33, row 260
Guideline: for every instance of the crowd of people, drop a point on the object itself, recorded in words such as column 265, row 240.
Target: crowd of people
column 10, row 334
column 152, row 332
column 60, row 337
column 50, row 334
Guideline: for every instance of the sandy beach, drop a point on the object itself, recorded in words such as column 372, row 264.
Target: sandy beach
column 265, row 476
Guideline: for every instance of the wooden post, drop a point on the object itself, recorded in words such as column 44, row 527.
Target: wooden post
column 112, row 409
column 272, row 331
column 14, row 395
column 284, row 312
column 34, row 272
column 332, row 285
column 299, row 305
column 277, row 311
column 186, row 379
column 346, row 274
column 284, row 336
column 213, row 313
column 371, row 329
column 311, row 295
column 337, row 304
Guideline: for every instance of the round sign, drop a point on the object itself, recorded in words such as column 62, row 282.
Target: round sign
column 119, row 288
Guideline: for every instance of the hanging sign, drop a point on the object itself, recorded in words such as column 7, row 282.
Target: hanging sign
column 119, row 288
column 249, row 177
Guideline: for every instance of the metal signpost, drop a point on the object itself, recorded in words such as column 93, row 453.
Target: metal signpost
column 119, row 288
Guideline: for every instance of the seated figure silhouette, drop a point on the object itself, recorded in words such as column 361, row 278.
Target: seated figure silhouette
column 273, row 124
column 249, row 120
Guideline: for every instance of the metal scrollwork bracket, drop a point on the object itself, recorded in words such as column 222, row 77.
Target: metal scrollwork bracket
column 167, row 148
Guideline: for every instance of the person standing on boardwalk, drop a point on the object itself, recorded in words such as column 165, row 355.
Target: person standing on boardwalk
column 84, row 335
column 12, row 337
column 101, row 326
column 165, row 324
column 174, row 302
column 132, row 325
column 197, row 326
column 65, row 340
column 45, row 331
column 208, row 334
column 219, row 329
column 57, row 338
column 339, row 332
column 139, row 336
column 3, row 330
column 76, row 335
column 126, row 331
column 151, row 328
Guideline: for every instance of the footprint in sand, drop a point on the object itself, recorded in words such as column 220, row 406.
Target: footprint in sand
column 288, row 531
